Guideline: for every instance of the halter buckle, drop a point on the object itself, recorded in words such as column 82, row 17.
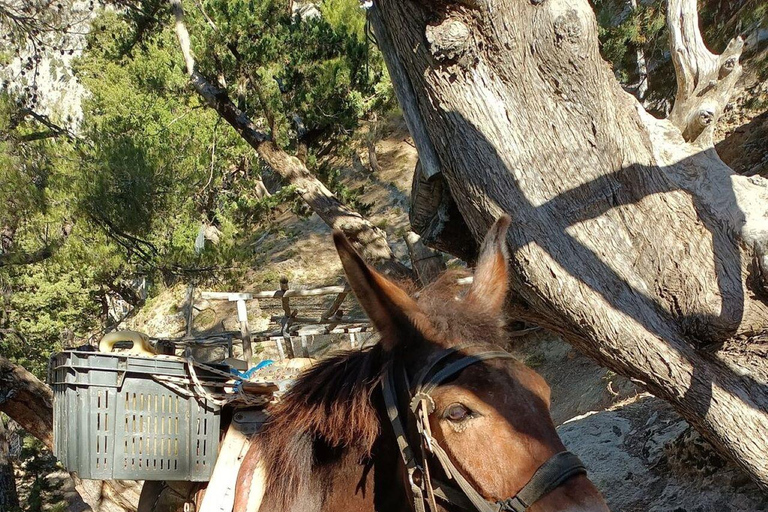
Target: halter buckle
column 417, row 400
column 416, row 476
column 513, row 504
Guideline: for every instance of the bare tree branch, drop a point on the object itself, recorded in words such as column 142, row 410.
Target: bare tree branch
column 367, row 238
column 27, row 401
column 705, row 81
column 11, row 257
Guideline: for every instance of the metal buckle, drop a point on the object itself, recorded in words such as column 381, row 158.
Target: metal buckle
column 424, row 428
column 513, row 504
column 416, row 476
column 418, row 398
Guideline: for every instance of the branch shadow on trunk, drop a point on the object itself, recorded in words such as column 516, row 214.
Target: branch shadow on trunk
column 692, row 340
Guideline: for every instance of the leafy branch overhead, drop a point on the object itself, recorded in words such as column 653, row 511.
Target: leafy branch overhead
column 369, row 239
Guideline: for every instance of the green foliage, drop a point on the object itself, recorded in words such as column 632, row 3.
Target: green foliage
column 151, row 164
column 249, row 209
column 310, row 80
column 623, row 31
column 331, row 176
column 43, row 300
column 158, row 159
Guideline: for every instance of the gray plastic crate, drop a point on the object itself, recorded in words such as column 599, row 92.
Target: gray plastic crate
column 112, row 420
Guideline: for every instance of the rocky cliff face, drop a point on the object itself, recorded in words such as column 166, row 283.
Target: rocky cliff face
column 40, row 69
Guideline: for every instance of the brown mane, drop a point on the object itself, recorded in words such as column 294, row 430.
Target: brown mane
column 331, row 402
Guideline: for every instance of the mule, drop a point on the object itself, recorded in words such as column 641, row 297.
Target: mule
column 348, row 437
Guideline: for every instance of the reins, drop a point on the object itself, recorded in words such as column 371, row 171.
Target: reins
column 424, row 489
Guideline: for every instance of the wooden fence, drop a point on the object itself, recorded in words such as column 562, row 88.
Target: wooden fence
column 290, row 324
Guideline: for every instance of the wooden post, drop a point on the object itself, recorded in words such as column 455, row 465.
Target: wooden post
column 190, row 309
column 245, row 331
column 336, row 304
column 288, row 318
column 427, row 264
column 242, row 317
column 279, row 346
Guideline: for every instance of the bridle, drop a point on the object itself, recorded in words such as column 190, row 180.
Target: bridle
column 424, row 489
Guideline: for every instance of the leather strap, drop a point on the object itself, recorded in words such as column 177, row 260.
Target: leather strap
column 478, row 502
column 553, row 473
column 550, row 475
column 406, row 452
column 455, row 367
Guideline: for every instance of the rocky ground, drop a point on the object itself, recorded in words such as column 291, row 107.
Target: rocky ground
column 641, row 455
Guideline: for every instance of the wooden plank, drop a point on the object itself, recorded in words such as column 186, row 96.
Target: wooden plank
column 260, row 388
column 279, row 345
column 288, row 319
column 220, row 494
column 242, row 311
column 277, row 294
column 285, row 300
column 338, row 330
column 226, row 296
column 335, row 305
column 315, row 321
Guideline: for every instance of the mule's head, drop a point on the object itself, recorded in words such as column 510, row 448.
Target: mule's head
column 493, row 417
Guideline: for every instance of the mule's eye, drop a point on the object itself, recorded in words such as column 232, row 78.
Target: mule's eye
column 456, row 413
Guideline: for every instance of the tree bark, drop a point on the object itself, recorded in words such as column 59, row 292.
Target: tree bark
column 630, row 237
column 367, row 238
column 9, row 498
column 29, row 403
column 705, row 81
column 436, row 218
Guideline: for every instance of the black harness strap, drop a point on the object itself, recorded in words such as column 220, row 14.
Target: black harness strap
column 548, row 477
column 553, row 473
column 406, row 452
column 457, row 366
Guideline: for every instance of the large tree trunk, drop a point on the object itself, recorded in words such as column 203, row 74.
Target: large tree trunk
column 630, row 237
column 29, row 403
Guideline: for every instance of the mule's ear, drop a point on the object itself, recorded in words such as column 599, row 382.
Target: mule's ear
column 394, row 314
column 489, row 287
